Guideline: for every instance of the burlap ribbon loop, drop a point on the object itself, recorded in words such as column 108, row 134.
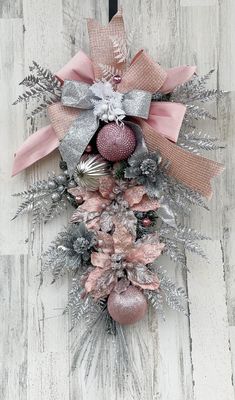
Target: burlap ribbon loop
column 101, row 46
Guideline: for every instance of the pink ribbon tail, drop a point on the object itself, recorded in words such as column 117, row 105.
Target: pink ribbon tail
column 177, row 76
column 37, row 146
column 166, row 118
column 44, row 141
column 79, row 68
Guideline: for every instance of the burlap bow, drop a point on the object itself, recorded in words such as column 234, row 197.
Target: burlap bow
column 144, row 74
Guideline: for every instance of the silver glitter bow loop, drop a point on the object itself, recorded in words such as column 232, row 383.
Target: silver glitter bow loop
column 77, row 94
column 97, row 101
column 137, row 103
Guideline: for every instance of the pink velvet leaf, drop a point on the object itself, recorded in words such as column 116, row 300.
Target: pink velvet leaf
column 122, row 238
column 146, row 204
column 93, row 224
column 107, row 184
column 141, row 276
column 101, row 260
column 107, row 245
column 144, row 253
column 134, row 195
column 91, row 282
column 100, row 282
column 95, row 203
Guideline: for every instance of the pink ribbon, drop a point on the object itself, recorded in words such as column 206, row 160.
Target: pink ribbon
column 165, row 118
column 177, row 76
column 37, row 146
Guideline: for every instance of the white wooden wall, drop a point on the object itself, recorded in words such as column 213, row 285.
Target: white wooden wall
column 189, row 359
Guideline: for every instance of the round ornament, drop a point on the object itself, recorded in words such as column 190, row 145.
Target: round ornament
column 127, row 307
column 116, row 143
column 89, row 171
column 146, row 222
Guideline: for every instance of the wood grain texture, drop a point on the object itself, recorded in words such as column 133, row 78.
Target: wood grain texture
column 188, row 358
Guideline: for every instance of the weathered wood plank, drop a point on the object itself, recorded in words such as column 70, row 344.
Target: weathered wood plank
column 48, row 357
column 13, row 327
column 226, row 127
column 157, row 30
column 11, row 9
column 211, row 355
column 12, row 133
column 188, row 359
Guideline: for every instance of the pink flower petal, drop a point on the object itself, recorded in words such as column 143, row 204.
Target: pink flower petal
column 122, row 238
column 101, row 260
column 134, row 195
column 78, row 191
column 91, row 281
column 95, row 203
column 147, row 286
column 93, row 224
column 100, row 282
column 107, row 184
column 144, row 253
column 146, row 204
column 142, row 277
column 107, row 245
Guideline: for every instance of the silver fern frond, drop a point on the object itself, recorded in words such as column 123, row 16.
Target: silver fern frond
column 109, row 71
column 119, row 48
column 175, row 297
column 45, row 199
column 174, row 251
column 179, row 239
column 195, row 112
column 41, row 84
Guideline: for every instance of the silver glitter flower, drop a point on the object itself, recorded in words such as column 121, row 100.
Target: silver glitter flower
column 89, row 171
column 107, row 102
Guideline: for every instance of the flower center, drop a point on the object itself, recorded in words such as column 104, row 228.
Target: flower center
column 148, row 167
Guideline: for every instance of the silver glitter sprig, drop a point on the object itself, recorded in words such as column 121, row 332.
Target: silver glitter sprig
column 42, row 85
column 180, row 239
column 109, row 71
column 70, row 251
column 78, row 306
column 196, row 90
column 196, row 112
column 196, row 141
column 179, row 197
column 175, row 297
column 45, row 199
column 116, row 364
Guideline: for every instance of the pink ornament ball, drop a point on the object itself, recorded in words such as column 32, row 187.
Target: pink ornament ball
column 127, row 307
column 116, row 143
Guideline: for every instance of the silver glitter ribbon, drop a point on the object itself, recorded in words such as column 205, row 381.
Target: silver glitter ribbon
column 166, row 214
column 135, row 103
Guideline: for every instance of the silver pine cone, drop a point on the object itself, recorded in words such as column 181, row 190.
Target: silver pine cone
column 89, row 171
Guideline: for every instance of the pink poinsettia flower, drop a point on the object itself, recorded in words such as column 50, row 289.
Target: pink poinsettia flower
column 121, row 257
column 138, row 200
column 96, row 202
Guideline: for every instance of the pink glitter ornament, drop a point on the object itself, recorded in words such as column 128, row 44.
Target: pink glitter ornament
column 146, row 222
column 127, row 307
column 88, row 149
column 117, row 79
column 116, row 143
column 79, row 200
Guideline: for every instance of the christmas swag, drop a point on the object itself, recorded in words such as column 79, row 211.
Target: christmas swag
column 130, row 167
